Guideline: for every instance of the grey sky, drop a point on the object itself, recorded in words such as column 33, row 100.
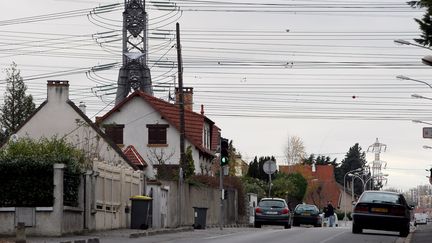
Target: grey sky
column 262, row 74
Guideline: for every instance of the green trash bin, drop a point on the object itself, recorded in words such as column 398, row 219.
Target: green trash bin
column 200, row 216
column 140, row 212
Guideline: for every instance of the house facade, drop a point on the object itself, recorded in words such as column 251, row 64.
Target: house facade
column 152, row 126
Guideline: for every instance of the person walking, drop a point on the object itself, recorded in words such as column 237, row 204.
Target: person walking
column 330, row 214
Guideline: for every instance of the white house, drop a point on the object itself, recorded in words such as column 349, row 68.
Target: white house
column 152, row 126
column 108, row 184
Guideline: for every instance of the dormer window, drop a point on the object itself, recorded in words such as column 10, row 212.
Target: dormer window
column 157, row 134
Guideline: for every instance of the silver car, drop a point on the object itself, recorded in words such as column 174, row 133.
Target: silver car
column 272, row 211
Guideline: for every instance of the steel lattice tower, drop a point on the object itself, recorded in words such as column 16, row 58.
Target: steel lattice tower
column 377, row 164
column 134, row 72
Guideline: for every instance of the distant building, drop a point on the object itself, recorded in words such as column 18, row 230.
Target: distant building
column 322, row 186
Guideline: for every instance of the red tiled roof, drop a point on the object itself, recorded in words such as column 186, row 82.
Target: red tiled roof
column 194, row 122
column 133, row 155
column 322, row 185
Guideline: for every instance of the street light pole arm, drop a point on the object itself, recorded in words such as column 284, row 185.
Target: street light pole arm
column 415, row 80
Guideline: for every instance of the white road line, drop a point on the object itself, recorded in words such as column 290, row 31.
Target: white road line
column 331, row 238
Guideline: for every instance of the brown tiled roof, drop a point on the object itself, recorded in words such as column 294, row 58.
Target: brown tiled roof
column 133, row 155
column 323, row 178
column 194, row 122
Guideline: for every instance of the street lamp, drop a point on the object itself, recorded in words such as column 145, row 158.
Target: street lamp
column 402, row 77
column 420, row 97
column 427, row 60
column 376, row 176
column 423, row 122
column 355, row 176
column 344, row 195
column 405, row 42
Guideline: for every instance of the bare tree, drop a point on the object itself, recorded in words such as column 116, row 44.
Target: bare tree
column 294, row 150
column 159, row 156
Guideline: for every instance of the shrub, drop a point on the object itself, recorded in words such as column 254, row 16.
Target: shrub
column 26, row 172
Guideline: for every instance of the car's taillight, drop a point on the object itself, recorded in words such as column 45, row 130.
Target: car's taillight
column 258, row 210
column 398, row 211
column 285, row 211
column 361, row 209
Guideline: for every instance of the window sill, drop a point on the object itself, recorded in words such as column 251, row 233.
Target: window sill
column 157, row 145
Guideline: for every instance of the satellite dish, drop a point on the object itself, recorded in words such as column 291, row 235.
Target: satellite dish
column 14, row 137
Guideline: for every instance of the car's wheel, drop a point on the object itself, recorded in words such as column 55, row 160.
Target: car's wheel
column 287, row 226
column 356, row 229
column 257, row 225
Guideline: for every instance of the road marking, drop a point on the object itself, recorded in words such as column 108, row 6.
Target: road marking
column 331, row 238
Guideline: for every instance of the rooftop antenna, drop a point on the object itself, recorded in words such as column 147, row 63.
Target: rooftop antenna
column 134, row 72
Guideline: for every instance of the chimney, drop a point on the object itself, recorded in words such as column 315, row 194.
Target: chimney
column 187, row 97
column 58, row 90
column 82, row 107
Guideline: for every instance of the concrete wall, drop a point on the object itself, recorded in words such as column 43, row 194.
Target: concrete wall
column 194, row 196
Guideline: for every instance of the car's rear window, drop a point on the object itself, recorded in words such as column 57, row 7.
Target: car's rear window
column 271, row 203
column 381, row 198
column 310, row 208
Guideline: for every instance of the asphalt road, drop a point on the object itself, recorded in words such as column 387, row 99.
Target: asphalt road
column 267, row 235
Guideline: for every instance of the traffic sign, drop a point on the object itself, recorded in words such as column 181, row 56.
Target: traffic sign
column 427, row 132
column 269, row 167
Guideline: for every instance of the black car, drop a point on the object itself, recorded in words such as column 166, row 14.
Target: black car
column 381, row 210
column 272, row 211
column 307, row 214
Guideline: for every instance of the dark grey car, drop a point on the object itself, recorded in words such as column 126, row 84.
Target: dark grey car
column 381, row 210
column 272, row 211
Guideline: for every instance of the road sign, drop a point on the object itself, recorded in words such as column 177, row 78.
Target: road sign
column 269, row 167
column 427, row 132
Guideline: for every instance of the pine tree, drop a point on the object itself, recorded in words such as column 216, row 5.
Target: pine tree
column 354, row 159
column 17, row 105
column 425, row 24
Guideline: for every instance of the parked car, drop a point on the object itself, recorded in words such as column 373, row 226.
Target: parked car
column 381, row 210
column 420, row 218
column 307, row 214
column 272, row 211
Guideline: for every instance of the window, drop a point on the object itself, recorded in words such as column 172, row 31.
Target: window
column 115, row 132
column 157, row 133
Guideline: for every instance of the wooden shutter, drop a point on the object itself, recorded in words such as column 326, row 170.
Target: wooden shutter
column 115, row 133
column 157, row 133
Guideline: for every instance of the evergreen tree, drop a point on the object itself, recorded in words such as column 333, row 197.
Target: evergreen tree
column 425, row 24
column 253, row 168
column 17, row 105
column 354, row 159
column 190, row 168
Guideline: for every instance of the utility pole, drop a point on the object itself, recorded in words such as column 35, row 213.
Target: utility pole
column 182, row 169
column 181, row 100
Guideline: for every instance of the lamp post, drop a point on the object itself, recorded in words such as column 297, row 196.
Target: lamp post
column 344, row 195
column 356, row 176
column 427, row 60
column 377, row 176
column 423, row 122
column 402, row 77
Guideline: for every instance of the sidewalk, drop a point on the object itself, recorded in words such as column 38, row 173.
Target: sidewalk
column 423, row 234
column 97, row 236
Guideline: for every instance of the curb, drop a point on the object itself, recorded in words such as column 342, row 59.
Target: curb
column 160, row 231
